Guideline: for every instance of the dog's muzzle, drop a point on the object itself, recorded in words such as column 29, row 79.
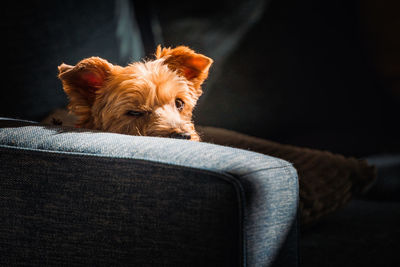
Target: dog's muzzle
column 185, row 136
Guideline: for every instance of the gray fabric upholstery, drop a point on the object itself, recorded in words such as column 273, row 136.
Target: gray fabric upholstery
column 78, row 197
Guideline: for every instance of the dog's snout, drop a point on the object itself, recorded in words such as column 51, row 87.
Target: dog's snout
column 185, row 136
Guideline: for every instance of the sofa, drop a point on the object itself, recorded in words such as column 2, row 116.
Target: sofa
column 74, row 197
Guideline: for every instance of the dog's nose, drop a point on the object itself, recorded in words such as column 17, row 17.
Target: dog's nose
column 185, row 136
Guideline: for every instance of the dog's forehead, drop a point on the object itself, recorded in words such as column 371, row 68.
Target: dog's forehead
column 153, row 82
column 154, row 72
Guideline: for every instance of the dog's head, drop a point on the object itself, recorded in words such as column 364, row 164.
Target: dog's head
column 153, row 98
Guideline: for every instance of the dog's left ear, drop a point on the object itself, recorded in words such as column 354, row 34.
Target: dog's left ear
column 194, row 67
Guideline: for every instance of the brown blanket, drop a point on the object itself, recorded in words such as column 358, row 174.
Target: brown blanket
column 327, row 181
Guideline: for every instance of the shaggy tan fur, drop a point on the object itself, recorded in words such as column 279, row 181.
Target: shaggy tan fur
column 153, row 98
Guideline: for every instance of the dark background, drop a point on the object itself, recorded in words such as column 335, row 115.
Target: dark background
column 321, row 74
column 307, row 74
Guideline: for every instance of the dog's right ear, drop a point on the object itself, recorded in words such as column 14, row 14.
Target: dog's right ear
column 81, row 82
column 193, row 66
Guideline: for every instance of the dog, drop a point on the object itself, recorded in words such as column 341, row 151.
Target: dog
column 157, row 97
column 149, row 98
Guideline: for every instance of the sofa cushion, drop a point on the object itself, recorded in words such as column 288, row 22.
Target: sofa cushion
column 84, row 196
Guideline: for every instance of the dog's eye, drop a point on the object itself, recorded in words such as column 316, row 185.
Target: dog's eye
column 135, row 113
column 179, row 104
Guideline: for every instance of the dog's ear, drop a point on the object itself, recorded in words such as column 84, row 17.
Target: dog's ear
column 81, row 82
column 194, row 67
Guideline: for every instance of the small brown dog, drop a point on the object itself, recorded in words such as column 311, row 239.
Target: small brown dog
column 156, row 98
column 153, row 98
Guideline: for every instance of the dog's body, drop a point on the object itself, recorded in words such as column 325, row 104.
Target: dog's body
column 156, row 98
column 153, row 98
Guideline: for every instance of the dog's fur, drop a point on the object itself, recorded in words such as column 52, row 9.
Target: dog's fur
column 152, row 98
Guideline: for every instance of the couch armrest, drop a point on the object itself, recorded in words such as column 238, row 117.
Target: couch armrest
column 75, row 196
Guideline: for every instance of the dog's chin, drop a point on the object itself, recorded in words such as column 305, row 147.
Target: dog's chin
column 190, row 136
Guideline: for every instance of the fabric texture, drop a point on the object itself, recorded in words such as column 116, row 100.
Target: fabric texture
column 79, row 197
